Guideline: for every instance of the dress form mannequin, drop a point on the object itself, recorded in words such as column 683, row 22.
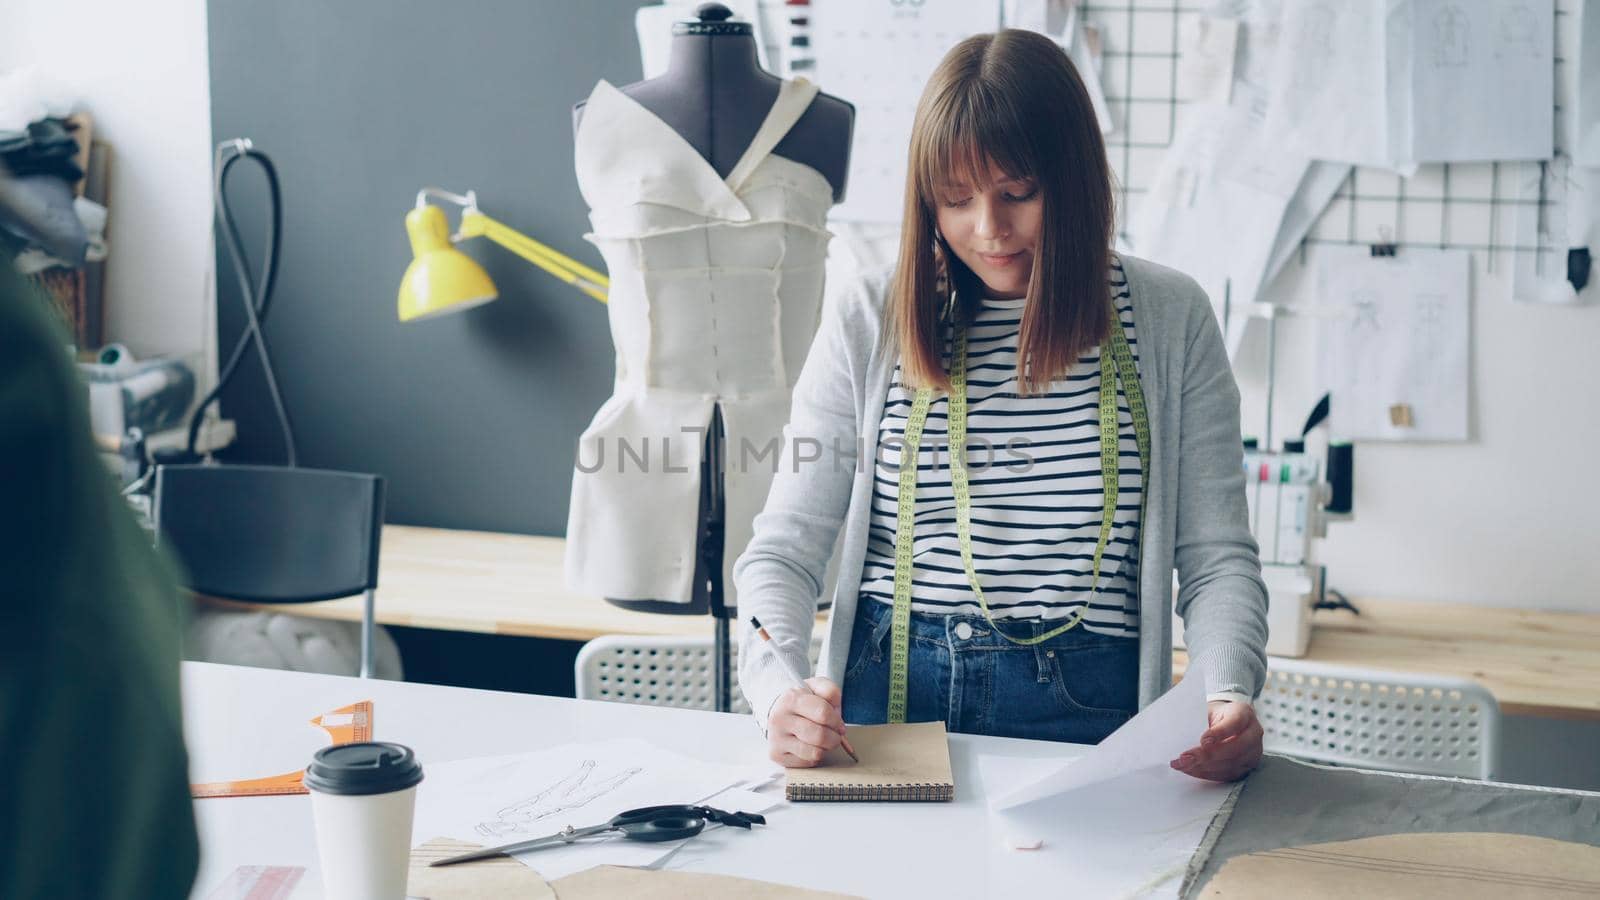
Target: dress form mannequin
column 715, row 94
column 752, row 131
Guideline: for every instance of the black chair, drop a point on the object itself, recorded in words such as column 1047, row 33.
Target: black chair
column 269, row 534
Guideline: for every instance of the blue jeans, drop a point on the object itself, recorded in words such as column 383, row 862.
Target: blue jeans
column 1077, row 687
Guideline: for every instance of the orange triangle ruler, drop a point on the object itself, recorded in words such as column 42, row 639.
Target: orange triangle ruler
column 345, row 725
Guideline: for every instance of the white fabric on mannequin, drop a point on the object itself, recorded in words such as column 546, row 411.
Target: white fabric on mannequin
column 716, row 292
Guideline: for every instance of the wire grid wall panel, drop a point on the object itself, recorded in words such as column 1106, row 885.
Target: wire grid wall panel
column 1380, row 720
column 1468, row 206
column 658, row 670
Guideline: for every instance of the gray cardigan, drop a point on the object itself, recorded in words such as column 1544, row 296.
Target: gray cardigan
column 1195, row 514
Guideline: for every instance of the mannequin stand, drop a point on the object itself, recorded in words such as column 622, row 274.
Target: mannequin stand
column 708, row 586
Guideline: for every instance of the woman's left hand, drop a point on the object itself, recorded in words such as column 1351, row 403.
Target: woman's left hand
column 1228, row 749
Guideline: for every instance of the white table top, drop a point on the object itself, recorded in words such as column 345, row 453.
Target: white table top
column 243, row 723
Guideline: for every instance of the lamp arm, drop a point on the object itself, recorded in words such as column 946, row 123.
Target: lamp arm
column 569, row 270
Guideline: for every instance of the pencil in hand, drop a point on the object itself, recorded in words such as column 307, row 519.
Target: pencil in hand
column 794, row 676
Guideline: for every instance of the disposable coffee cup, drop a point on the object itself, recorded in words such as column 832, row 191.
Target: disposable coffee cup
column 362, row 799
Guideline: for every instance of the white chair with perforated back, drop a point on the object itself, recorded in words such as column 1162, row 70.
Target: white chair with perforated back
column 1400, row 722
column 664, row 670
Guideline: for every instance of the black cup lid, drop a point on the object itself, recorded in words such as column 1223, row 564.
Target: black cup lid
column 369, row 767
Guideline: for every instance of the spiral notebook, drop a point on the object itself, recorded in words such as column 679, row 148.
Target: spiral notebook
column 898, row 762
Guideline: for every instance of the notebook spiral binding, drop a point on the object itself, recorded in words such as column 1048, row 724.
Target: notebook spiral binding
column 915, row 792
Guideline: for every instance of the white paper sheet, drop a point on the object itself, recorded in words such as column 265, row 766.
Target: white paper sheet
column 1483, row 76
column 1048, row 17
column 1555, row 213
column 1149, row 740
column 878, row 56
column 1220, row 207
column 498, row 800
column 1393, row 83
column 1117, row 821
column 1206, row 48
column 1131, row 836
column 1084, row 51
column 1321, row 182
column 1217, row 206
column 1403, row 340
column 1586, row 130
column 1328, row 92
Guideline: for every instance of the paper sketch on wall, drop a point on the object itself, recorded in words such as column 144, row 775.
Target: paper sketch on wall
column 1229, row 205
column 1394, row 83
column 1481, row 82
column 571, row 792
column 1450, row 36
column 1555, row 218
column 878, row 55
column 1395, row 360
column 1327, row 96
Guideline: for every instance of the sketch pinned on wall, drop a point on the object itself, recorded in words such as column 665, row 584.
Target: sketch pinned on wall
column 1328, row 92
column 1450, row 36
column 1395, row 357
column 1484, row 80
column 878, row 54
column 1555, row 221
column 1207, row 46
column 1586, row 106
column 1229, row 204
column 1168, row 175
column 1395, row 83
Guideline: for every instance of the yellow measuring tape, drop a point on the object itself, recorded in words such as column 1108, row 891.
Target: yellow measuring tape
column 1114, row 365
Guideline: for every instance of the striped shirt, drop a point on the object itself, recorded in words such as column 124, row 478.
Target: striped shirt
column 1035, row 484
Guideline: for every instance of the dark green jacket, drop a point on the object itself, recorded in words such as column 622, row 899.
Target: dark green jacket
column 93, row 773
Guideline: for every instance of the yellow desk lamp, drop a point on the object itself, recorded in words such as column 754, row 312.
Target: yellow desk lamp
column 442, row 279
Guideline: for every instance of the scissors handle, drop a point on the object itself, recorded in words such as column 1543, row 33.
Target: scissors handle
column 709, row 813
column 660, row 823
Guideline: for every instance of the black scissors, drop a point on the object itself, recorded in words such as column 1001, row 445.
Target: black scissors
column 648, row 823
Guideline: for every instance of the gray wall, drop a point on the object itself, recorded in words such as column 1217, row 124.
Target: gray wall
column 473, row 418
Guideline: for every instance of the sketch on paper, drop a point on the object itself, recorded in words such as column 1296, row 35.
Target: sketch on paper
column 1552, row 217
column 1402, row 340
column 1480, row 83
column 1519, row 32
column 570, row 792
column 1450, row 37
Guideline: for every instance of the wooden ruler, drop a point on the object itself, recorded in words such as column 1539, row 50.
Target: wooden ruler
column 345, row 725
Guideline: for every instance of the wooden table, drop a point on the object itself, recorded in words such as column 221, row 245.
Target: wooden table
column 1535, row 663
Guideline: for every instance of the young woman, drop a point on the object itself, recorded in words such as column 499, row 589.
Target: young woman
column 1075, row 428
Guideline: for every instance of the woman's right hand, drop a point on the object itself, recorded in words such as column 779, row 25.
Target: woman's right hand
column 803, row 726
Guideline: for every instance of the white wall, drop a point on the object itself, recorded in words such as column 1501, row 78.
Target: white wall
column 141, row 70
column 1508, row 518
